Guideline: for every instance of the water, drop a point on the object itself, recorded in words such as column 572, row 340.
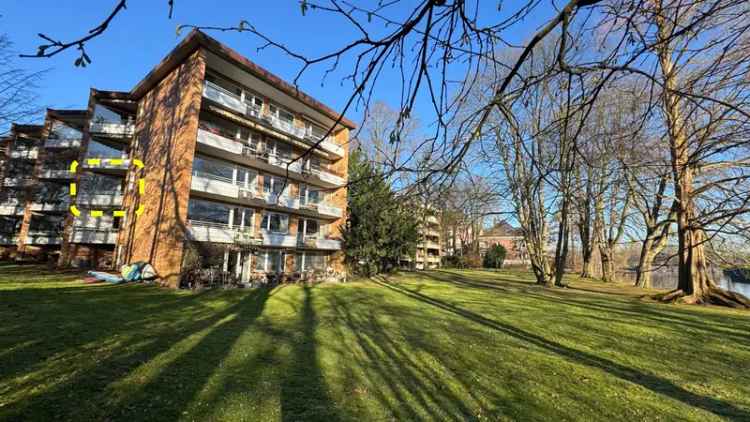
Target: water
column 666, row 278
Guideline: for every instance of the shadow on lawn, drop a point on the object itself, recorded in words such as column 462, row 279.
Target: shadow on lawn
column 654, row 383
column 626, row 305
column 73, row 392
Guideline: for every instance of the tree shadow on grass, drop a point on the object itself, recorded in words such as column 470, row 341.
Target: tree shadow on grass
column 55, row 389
column 627, row 306
column 304, row 392
column 656, row 384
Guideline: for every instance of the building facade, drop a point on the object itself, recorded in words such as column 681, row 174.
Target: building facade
column 511, row 238
column 209, row 162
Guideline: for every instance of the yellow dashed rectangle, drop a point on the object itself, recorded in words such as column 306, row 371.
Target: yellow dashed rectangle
column 94, row 161
column 119, row 213
column 73, row 189
column 97, row 213
column 141, row 186
column 116, row 161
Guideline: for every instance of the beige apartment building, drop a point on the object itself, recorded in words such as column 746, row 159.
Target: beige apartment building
column 209, row 154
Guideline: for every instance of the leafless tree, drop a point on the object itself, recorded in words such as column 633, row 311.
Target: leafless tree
column 18, row 96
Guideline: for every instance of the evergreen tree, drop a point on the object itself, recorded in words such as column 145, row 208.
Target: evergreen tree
column 379, row 228
column 494, row 257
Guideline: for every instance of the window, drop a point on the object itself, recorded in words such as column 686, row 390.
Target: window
column 208, row 212
column 245, row 178
column 275, row 185
column 283, row 151
column 224, row 84
column 275, row 223
column 46, row 223
column 309, row 195
column 281, row 114
column 253, row 140
column 314, row 131
column 10, row 225
column 212, row 169
column 311, row 227
column 253, row 100
column 218, row 126
column 242, row 217
column 270, row 261
column 104, row 114
column 60, row 130
column 99, row 150
column 309, row 261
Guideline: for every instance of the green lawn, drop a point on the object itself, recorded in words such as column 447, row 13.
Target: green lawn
column 438, row 346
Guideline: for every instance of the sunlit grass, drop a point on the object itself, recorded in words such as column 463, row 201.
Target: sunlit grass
column 436, row 346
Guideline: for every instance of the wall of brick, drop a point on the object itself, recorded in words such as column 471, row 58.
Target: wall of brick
column 166, row 131
column 338, row 199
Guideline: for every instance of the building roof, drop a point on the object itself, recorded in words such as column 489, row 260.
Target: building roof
column 501, row 229
column 197, row 39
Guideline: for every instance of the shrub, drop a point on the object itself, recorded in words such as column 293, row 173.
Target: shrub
column 494, row 257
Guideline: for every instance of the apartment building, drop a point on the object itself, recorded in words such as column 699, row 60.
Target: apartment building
column 429, row 249
column 208, row 153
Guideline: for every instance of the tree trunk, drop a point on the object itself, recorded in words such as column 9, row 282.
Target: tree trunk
column 645, row 264
column 608, row 264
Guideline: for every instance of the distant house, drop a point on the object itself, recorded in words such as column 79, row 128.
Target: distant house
column 502, row 233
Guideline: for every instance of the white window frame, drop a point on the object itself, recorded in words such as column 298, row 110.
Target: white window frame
column 268, row 228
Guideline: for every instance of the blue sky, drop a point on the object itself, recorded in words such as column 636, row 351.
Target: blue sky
column 142, row 35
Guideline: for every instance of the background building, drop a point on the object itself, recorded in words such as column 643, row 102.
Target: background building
column 502, row 233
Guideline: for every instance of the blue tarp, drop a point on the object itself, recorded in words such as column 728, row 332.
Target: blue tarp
column 109, row 278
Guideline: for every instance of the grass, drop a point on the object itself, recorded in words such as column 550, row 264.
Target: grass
column 444, row 345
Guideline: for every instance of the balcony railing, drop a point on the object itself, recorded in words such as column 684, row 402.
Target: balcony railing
column 281, row 200
column 49, row 206
column 90, row 235
column 62, row 143
column 323, row 209
column 279, row 239
column 328, row 244
column 44, row 237
column 108, row 163
column 325, row 176
column 217, row 141
column 56, row 174
column 216, row 185
column 201, row 231
column 112, row 128
column 328, row 144
column 25, row 154
column 100, row 199
column 221, row 96
column 11, row 208
column 18, row 181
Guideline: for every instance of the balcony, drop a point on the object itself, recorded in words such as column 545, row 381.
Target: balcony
column 8, row 239
column 324, row 209
column 281, row 200
column 18, row 181
column 328, row 244
column 328, row 145
column 62, row 143
column 11, row 208
column 214, row 185
column 102, row 199
column 284, row 126
column 96, row 236
column 25, row 154
column 279, row 239
column 49, row 206
column 201, row 231
column 56, row 174
column 43, row 238
column 223, row 97
column 111, row 165
column 218, row 143
column 112, row 129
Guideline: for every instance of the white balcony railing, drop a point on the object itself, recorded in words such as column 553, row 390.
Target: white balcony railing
column 219, row 142
column 281, row 200
column 62, row 143
column 285, row 126
column 26, row 154
column 90, row 235
column 18, row 181
column 279, row 239
column 295, row 167
column 330, row 210
column 11, row 208
column 326, row 176
column 49, row 206
column 221, row 96
column 102, row 199
column 112, row 128
column 328, row 244
column 56, row 174
column 330, row 146
column 203, row 182
column 201, row 231
column 44, row 238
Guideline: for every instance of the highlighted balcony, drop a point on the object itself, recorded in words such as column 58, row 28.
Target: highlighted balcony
column 93, row 236
column 112, row 129
column 99, row 199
